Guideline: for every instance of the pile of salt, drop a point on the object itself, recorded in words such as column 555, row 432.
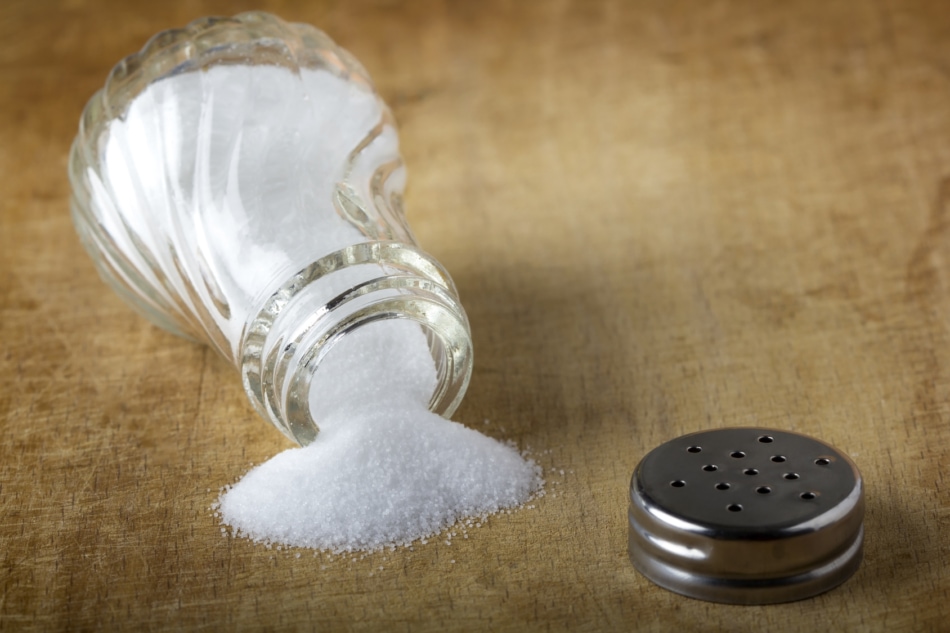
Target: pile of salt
column 383, row 470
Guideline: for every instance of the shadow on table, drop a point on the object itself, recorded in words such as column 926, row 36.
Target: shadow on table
column 554, row 349
column 899, row 547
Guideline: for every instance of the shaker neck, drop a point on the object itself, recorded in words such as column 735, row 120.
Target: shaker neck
column 284, row 344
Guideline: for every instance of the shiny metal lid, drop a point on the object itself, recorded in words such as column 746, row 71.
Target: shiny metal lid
column 746, row 516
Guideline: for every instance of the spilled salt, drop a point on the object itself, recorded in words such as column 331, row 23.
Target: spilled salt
column 235, row 144
column 384, row 470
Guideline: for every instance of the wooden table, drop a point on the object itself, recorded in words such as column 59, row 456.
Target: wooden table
column 662, row 217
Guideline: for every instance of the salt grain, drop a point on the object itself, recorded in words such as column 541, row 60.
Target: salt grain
column 382, row 477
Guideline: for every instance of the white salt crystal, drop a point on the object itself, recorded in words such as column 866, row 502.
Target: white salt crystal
column 383, row 471
column 378, row 476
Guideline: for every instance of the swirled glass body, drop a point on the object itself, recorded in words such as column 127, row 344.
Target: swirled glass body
column 239, row 183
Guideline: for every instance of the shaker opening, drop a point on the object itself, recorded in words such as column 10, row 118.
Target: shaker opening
column 381, row 363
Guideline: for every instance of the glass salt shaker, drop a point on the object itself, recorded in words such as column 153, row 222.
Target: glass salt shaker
column 239, row 183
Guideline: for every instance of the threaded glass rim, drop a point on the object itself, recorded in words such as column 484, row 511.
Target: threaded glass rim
column 277, row 372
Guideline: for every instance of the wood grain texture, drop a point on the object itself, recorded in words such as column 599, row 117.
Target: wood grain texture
column 662, row 217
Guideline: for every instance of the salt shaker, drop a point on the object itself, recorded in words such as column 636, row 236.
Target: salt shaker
column 239, row 183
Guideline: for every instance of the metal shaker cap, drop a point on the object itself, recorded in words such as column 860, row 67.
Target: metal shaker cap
column 746, row 516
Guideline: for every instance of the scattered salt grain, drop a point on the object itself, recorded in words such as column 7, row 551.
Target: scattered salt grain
column 384, row 472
